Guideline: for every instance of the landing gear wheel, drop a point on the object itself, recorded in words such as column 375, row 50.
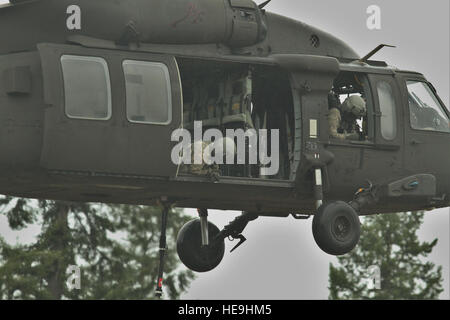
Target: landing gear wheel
column 191, row 252
column 336, row 228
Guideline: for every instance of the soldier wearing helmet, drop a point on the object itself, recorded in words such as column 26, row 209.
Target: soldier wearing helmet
column 342, row 123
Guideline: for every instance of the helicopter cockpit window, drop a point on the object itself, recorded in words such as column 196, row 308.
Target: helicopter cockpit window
column 426, row 112
column 148, row 92
column 87, row 88
column 388, row 110
column 349, row 103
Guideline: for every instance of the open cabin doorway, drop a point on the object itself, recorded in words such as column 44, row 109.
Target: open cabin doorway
column 239, row 96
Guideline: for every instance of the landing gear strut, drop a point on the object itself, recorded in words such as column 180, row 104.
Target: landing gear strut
column 235, row 228
column 203, row 214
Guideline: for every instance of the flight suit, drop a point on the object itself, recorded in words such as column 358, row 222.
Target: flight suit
column 337, row 125
column 202, row 169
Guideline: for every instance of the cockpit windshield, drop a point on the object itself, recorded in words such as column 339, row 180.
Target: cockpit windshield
column 426, row 112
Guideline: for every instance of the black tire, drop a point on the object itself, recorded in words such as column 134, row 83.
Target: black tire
column 336, row 228
column 191, row 252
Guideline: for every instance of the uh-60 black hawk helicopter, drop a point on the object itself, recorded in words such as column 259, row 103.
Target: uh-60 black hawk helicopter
column 91, row 93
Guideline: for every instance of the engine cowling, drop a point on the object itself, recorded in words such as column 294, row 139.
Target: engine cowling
column 236, row 23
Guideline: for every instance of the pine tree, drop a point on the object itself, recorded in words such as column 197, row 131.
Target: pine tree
column 115, row 246
column 388, row 242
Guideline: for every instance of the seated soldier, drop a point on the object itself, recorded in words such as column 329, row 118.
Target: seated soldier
column 203, row 152
column 202, row 168
column 343, row 123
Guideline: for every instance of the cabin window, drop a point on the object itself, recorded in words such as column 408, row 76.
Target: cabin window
column 87, row 89
column 388, row 110
column 148, row 92
column 426, row 112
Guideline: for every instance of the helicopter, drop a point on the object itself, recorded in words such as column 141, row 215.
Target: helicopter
column 92, row 94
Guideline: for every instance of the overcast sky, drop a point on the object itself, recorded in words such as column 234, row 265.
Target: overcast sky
column 280, row 260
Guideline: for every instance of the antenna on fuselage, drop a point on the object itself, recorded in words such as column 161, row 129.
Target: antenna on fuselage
column 265, row 3
column 371, row 53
